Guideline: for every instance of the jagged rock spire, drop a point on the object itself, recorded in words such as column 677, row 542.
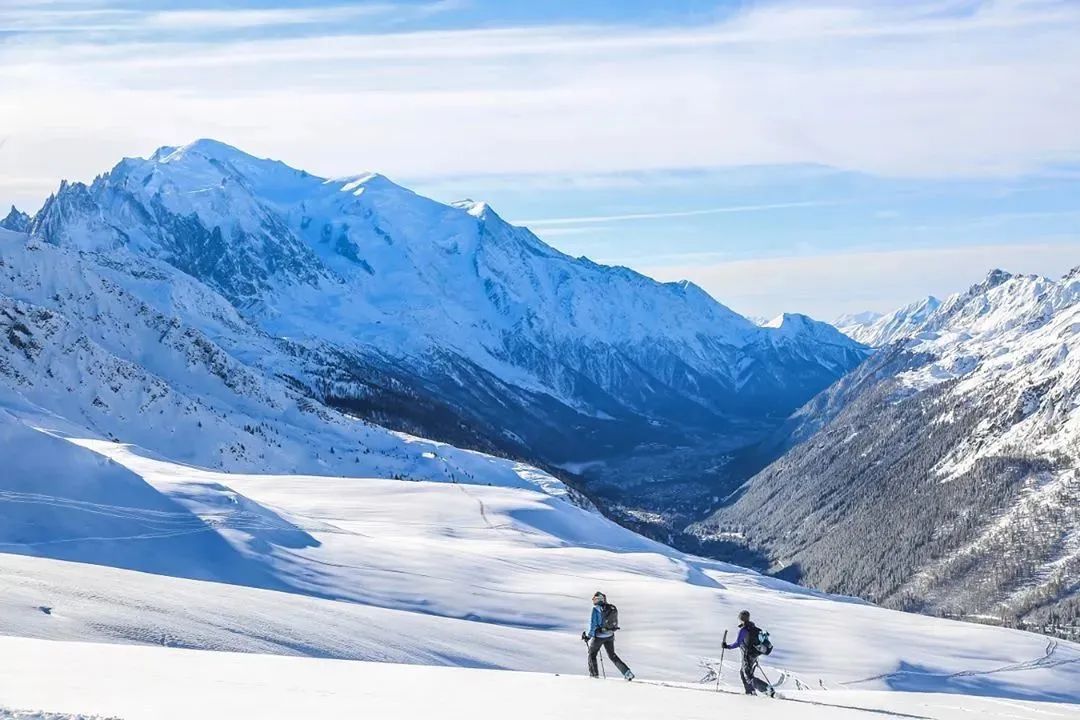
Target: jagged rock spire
column 16, row 220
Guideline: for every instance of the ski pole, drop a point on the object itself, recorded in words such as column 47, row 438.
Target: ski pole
column 723, row 647
column 757, row 666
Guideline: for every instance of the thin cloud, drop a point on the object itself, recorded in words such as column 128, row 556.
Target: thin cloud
column 594, row 219
column 829, row 284
column 51, row 19
column 271, row 17
column 564, row 231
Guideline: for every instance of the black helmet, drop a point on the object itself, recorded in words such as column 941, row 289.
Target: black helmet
column 599, row 596
column 744, row 616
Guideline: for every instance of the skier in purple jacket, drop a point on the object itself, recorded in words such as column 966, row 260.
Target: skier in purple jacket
column 747, row 641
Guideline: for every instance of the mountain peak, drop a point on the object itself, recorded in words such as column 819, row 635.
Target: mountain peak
column 476, row 208
column 371, row 182
column 214, row 149
column 924, row 305
column 208, row 161
column 791, row 321
column 995, row 277
column 686, row 286
column 366, row 178
column 16, row 221
column 796, row 325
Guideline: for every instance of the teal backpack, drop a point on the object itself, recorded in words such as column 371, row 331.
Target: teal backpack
column 763, row 646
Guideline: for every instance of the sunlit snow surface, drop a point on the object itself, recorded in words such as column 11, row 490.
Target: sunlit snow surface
column 433, row 573
column 136, row 683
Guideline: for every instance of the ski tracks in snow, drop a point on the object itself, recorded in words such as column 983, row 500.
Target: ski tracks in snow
column 784, row 698
column 159, row 523
column 1048, row 660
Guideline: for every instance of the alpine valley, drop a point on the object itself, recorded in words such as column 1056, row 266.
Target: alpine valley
column 942, row 474
column 360, row 296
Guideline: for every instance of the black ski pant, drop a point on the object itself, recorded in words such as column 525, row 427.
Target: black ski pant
column 609, row 645
column 749, row 681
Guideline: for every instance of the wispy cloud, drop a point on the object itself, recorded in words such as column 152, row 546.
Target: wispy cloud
column 588, row 220
column 73, row 19
column 900, row 89
column 197, row 19
column 555, row 232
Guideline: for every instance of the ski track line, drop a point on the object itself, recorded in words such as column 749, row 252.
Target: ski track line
column 145, row 536
column 890, row 713
column 114, row 511
column 484, row 516
column 170, row 522
column 1046, row 661
column 1026, row 708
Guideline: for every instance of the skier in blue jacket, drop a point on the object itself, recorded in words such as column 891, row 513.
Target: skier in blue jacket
column 747, row 641
column 599, row 636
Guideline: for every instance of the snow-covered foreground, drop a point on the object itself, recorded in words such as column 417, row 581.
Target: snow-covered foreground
column 138, row 683
column 455, row 574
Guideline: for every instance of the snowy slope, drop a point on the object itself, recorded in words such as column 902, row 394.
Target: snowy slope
column 538, row 352
column 476, row 575
column 139, row 351
column 54, row 492
column 977, row 413
column 877, row 330
column 160, row 684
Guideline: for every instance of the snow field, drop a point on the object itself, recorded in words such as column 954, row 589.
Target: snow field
column 138, row 683
column 477, row 576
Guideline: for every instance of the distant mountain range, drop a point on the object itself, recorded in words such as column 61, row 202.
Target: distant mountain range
column 877, row 330
column 941, row 475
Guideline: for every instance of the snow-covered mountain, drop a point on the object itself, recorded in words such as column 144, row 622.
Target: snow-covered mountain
column 877, row 330
column 796, row 326
column 138, row 351
column 856, row 320
column 16, row 221
column 443, row 319
column 944, row 473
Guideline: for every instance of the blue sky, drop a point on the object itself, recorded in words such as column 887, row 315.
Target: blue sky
column 822, row 156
